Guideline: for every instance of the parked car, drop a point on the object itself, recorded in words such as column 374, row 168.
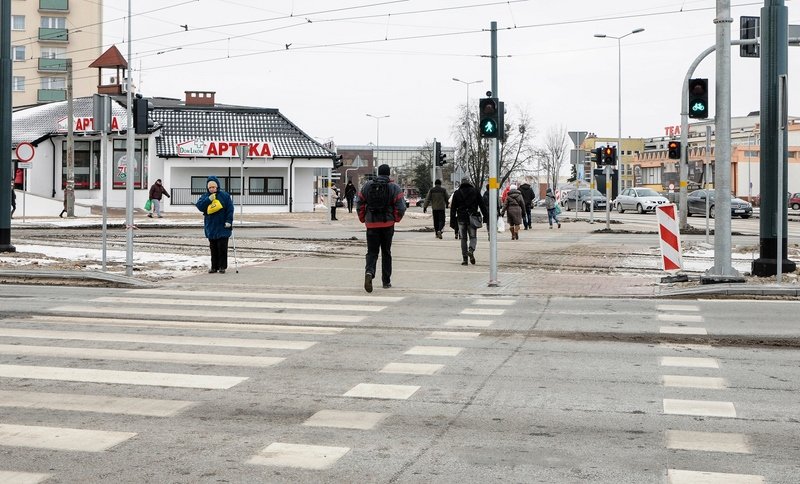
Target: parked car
column 640, row 199
column 696, row 202
column 583, row 200
column 794, row 201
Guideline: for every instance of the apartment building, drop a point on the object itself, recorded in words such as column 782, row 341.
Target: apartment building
column 44, row 35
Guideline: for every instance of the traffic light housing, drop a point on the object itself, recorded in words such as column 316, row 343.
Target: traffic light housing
column 438, row 156
column 598, row 156
column 674, row 150
column 337, row 162
column 609, row 155
column 141, row 115
column 698, row 98
column 489, row 117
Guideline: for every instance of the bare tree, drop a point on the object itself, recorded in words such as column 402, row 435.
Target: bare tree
column 517, row 153
column 552, row 155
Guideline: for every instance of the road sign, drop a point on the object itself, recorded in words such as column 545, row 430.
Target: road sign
column 25, row 151
column 577, row 137
column 576, row 156
column 25, row 165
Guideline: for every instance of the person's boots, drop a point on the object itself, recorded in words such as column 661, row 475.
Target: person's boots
column 464, row 262
column 513, row 233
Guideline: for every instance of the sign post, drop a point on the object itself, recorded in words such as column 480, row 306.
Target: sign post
column 577, row 138
column 242, row 157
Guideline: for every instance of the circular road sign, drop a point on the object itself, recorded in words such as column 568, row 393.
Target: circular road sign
column 25, row 152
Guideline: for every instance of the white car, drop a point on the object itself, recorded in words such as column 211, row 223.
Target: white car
column 640, row 199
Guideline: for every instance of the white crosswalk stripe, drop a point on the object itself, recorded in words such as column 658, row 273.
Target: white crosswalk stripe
column 13, row 477
column 157, row 339
column 248, row 304
column 59, row 438
column 93, row 403
column 194, row 325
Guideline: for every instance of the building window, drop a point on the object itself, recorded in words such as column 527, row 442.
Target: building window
column 53, row 83
column 230, row 184
column 17, row 22
column 18, row 83
column 87, row 165
column 18, row 53
column 54, row 53
column 53, row 23
column 120, row 166
column 266, row 186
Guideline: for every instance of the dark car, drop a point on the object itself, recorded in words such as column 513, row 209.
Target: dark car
column 696, row 201
column 582, row 199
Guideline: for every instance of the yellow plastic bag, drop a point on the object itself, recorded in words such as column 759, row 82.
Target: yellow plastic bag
column 215, row 207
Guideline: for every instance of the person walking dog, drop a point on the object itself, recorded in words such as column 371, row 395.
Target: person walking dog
column 217, row 207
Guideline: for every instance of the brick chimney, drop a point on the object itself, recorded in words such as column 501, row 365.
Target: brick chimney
column 200, row 98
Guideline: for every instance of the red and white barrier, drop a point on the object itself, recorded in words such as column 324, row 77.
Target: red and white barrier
column 670, row 237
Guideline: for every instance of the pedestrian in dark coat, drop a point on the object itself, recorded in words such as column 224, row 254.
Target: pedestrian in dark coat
column 13, row 200
column 467, row 201
column 529, row 196
column 350, row 194
column 513, row 207
column 437, row 200
column 380, row 220
column 218, row 225
column 156, row 192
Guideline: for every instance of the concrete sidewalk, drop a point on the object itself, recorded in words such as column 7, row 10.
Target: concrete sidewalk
column 558, row 262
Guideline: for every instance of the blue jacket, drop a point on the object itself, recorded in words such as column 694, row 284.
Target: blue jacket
column 215, row 223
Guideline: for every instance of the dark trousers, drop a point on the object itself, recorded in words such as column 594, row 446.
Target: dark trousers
column 380, row 241
column 350, row 204
column 333, row 212
column 526, row 217
column 438, row 220
column 219, row 253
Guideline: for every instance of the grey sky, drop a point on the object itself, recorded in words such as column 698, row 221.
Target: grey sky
column 327, row 63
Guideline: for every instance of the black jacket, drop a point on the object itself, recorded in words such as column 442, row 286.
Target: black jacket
column 527, row 194
column 467, row 201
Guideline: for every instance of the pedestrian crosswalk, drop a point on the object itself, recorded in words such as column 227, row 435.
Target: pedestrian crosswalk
column 128, row 355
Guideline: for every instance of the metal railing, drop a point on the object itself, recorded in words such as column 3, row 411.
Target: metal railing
column 54, row 5
column 187, row 196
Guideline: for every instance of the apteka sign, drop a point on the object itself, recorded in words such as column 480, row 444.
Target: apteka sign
column 86, row 123
column 223, row 149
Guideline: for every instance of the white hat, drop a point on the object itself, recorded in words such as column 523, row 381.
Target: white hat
column 512, row 187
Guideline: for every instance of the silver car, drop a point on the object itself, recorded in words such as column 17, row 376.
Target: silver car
column 640, row 199
column 582, row 198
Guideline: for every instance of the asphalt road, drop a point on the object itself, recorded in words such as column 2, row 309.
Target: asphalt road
column 194, row 383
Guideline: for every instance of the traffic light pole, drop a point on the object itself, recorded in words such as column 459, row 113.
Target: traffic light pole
column 684, row 160
column 5, row 127
column 494, row 151
column 130, row 161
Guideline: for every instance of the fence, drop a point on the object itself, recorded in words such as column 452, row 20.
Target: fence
column 186, row 196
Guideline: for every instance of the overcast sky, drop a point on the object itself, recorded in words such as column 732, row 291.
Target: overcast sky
column 326, row 64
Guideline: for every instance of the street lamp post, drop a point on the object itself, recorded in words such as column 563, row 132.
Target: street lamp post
column 377, row 138
column 469, row 125
column 619, row 108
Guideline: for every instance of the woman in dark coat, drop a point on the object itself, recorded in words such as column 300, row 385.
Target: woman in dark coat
column 513, row 207
column 218, row 225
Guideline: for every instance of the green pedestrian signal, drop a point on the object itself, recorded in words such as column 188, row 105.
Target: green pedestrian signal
column 488, row 110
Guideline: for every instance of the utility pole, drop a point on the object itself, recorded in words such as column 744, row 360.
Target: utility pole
column 774, row 143
column 723, row 270
column 494, row 157
column 69, row 189
column 5, row 126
